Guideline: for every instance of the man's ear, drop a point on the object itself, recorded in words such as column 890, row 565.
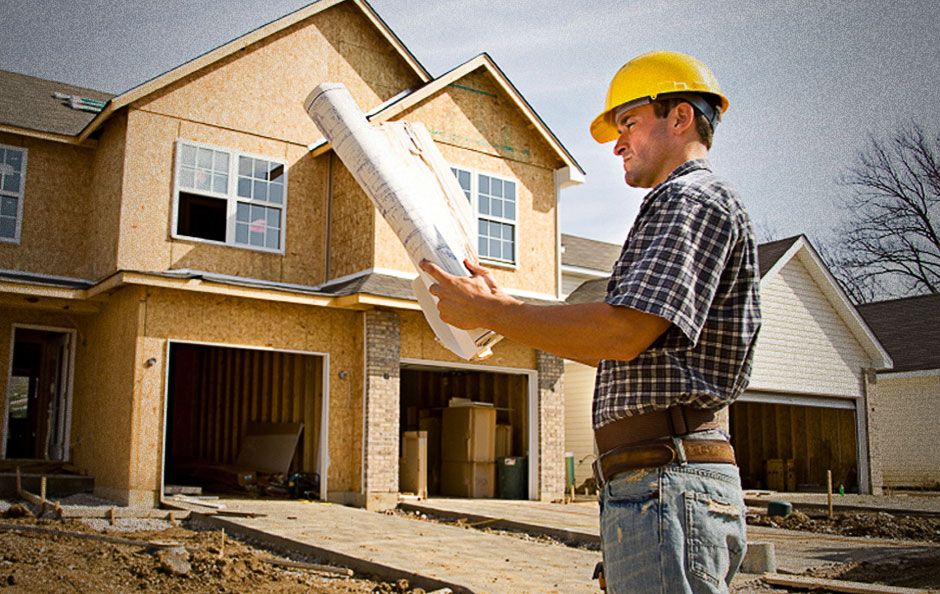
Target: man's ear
column 684, row 117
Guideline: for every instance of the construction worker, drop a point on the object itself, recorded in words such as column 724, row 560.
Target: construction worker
column 672, row 341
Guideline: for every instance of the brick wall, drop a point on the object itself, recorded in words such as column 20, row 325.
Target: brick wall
column 381, row 407
column 551, row 425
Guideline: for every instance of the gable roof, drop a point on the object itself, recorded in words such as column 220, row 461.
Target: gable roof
column 909, row 329
column 409, row 99
column 581, row 252
column 227, row 49
column 27, row 103
column 768, row 254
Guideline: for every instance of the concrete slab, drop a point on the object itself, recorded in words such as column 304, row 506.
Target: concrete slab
column 431, row 555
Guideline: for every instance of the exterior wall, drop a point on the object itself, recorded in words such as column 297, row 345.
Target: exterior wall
column 804, row 346
column 579, row 433
column 56, row 209
column 551, row 426
column 477, row 126
column 252, row 102
column 352, row 224
column 107, row 186
column 381, row 406
column 903, row 422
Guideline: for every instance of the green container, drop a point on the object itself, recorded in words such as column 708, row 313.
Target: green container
column 512, row 478
column 779, row 508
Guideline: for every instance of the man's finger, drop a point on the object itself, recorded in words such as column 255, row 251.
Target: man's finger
column 481, row 272
column 433, row 270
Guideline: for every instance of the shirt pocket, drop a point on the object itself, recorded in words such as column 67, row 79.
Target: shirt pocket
column 715, row 538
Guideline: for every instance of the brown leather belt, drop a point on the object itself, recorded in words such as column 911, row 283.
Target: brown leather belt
column 660, row 453
column 673, row 422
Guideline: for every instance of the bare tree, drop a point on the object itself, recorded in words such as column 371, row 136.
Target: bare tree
column 890, row 246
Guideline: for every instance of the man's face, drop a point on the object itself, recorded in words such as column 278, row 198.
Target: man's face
column 643, row 145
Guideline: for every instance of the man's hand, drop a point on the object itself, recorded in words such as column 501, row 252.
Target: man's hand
column 467, row 302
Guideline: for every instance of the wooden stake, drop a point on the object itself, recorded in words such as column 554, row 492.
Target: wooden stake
column 171, row 519
column 19, row 482
column 829, row 491
column 42, row 495
column 112, row 517
column 222, row 544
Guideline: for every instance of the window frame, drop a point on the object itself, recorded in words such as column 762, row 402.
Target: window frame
column 475, row 205
column 230, row 196
column 20, row 194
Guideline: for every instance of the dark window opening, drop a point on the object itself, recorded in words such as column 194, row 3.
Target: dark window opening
column 201, row 216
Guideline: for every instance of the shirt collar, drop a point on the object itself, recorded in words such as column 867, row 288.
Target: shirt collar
column 685, row 168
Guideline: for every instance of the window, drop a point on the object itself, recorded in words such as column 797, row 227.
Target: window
column 230, row 197
column 12, row 180
column 494, row 201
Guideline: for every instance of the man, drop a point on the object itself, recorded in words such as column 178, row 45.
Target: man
column 672, row 342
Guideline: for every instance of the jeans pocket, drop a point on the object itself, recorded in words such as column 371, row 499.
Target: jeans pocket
column 715, row 537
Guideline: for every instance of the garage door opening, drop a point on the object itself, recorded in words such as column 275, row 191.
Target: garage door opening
column 783, row 447
column 246, row 420
column 481, row 451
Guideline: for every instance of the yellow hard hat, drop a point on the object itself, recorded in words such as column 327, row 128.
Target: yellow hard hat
column 647, row 76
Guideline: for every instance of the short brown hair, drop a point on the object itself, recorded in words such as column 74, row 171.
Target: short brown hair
column 662, row 107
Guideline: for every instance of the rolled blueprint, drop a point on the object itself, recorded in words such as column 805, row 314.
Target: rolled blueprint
column 411, row 184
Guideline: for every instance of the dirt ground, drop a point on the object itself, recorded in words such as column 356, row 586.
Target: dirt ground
column 54, row 561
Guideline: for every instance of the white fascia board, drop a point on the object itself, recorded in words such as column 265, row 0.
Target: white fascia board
column 586, row 272
column 567, row 177
column 919, row 373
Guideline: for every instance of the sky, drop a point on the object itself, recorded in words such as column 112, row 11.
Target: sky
column 810, row 83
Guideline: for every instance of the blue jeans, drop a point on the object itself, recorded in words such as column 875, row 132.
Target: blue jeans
column 677, row 528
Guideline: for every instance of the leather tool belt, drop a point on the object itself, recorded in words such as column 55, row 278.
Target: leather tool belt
column 644, row 441
column 660, row 453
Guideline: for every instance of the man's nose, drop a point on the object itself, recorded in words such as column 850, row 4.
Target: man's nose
column 620, row 145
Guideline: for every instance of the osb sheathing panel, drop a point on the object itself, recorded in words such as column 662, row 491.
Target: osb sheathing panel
column 146, row 241
column 107, row 440
column 353, row 225
column 56, row 211
column 261, row 88
column 418, row 342
column 479, row 127
column 252, row 323
column 107, row 185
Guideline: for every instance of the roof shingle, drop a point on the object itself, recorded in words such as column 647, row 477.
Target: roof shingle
column 908, row 328
column 27, row 102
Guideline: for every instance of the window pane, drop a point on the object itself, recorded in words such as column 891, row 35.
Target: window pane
column 485, row 205
column 271, row 240
column 509, row 190
column 187, row 178
column 257, row 239
column 8, row 206
column 244, row 187
column 202, row 180
column 204, row 158
column 14, row 159
column 242, row 213
column 496, row 208
column 274, row 218
column 202, row 216
column 494, row 249
column 220, row 183
column 260, row 191
column 244, row 166
column 11, row 183
column 7, row 227
column 484, row 184
column 496, row 187
column 260, row 169
column 509, row 210
column 188, row 155
column 482, row 227
column 276, row 193
column 221, row 162
column 241, row 233
column 482, row 245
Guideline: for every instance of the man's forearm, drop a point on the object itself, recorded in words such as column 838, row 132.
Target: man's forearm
column 586, row 333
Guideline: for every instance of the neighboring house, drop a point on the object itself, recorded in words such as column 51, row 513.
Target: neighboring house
column 193, row 258
column 807, row 398
column 905, row 401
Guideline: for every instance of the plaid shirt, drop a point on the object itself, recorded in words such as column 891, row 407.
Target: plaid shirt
column 691, row 259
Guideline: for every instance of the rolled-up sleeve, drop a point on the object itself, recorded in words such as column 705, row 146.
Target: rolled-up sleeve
column 672, row 265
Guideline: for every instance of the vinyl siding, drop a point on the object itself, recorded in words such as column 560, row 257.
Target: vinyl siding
column 579, row 434
column 804, row 346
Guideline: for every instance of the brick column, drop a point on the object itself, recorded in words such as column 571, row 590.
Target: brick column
column 381, row 408
column 551, row 426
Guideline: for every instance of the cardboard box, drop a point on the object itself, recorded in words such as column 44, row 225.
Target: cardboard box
column 468, row 434
column 468, row 479
column 781, row 474
column 413, row 464
column 503, row 441
column 432, row 425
